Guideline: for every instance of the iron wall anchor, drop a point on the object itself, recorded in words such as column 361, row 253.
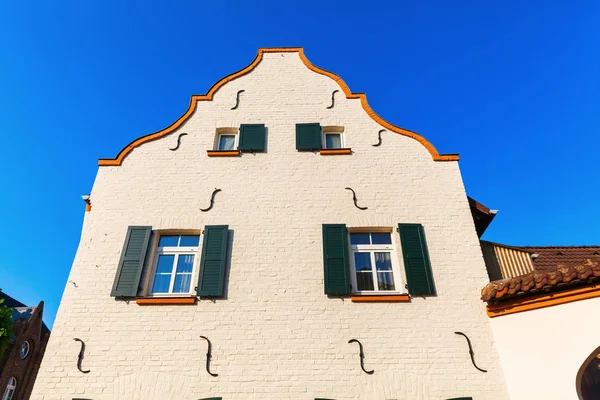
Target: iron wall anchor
column 379, row 135
column 355, row 200
column 80, row 357
column 212, row 200
column 208, row 356
column 178, row 141
column 333, row 99
column 471, row 351
column 362, row 357
column 237, row 99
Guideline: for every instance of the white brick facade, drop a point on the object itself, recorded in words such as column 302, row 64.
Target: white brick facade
column 275, row 334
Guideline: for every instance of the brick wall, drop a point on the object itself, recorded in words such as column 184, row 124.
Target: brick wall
column 275, row 334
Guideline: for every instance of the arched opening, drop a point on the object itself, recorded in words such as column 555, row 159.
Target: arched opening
column 588, row 377
column 10, row 389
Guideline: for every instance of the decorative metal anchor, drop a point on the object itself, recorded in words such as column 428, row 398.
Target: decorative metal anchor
column 178, row 141
column 74, row 284
column 333, row 98
column 379, row 135
column 212, row 200
column 471, row 351
column 354, row 198
column 80, row 356
column 208, row 356
column 237, row 99
column 362, row 356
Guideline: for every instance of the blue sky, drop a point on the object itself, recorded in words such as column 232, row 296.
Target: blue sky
column 513, row 88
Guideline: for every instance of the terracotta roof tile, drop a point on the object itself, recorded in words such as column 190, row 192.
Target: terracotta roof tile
column 552, row 257
column 543, row 281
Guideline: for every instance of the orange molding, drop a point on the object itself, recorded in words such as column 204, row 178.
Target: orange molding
column 162, row 301
column 209, row 96
column 380, row 299
column 543, row 300
column 333, row 152
column 88, row 207
column 223, row 153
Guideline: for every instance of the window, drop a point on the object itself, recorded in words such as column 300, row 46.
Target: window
column 332, row 141
column 24, row 350
column 227, row 141
column 175, row 261
column 374, row 262
column 10, row 389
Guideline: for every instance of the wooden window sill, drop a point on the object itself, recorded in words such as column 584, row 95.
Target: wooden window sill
column 380, row 299
column 223, row 153
column 335, row 152
column 162, row 301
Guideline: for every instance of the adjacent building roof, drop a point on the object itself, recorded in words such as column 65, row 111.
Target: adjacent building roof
column 20, row 310
column 10, row 301
column 549, row 258
column 482, row 216
column 556, row 268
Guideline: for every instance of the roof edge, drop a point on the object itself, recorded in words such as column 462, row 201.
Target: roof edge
column 118, row 160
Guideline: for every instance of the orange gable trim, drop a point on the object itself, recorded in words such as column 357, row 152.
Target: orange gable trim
column 543, row 300
column 209, row 95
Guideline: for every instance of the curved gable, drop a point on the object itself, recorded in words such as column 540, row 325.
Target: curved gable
column 209, row 96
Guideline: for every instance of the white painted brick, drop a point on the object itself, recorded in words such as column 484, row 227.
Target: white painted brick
column 276, row 335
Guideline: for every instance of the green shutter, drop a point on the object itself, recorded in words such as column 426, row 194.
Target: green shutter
column 132, row 260
column 335, row 259
column 252, row 137
column 308, row 136
column 416, row 259
column 212, row 264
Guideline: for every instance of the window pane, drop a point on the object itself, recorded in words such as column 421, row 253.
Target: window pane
column 381, row 238
column 165, row 264
column 333, row 141
column 189, row 241
column 185, row 263
column 168, row 241
column 383, row 262
column 386, row 280
column 359, row 238
column 161, row 283
column 182, row 283
column 226, row 142
column 364, row 280
column 362, row 262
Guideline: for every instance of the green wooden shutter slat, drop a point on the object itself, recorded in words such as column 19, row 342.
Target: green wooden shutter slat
column 252, row 137
column 416, row 259
column 308, row 136
column 212, row 263
column 336, row 259
column 132, row 260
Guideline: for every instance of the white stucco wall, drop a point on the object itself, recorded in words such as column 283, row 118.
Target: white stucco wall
column 542, row 350
column 276, row 335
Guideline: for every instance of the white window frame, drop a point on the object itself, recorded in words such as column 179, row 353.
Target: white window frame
column 372, row 249
column 176, row 251
column 228, row 132
column 11, row 387
column 324, row 139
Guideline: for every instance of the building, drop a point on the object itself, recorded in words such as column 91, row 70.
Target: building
column 541, row 308
column 20, row 362
column 285, row 229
